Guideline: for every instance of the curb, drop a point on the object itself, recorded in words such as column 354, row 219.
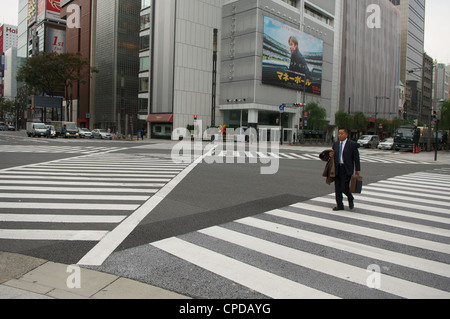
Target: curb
column 24, row 277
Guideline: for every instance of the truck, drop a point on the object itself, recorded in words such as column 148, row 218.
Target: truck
column 36, row 129
column 406, row 137
column 66, row 129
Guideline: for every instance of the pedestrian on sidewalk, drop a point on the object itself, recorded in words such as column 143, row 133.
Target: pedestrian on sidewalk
column 347, row 161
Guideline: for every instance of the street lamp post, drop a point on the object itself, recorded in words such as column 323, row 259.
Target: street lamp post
column 437, row 141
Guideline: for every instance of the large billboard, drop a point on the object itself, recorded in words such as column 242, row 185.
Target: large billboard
column 55, row 40
column 291, row 58
column 49, row 9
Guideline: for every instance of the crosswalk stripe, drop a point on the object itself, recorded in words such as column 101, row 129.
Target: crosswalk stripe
column 438, row 177
column 72, row 196
column 98, row 170
column 74, row 190
column 327, row 266
column 384, row 190
column 118, row 164
column 68, row 206
column 58, row 235
column 386, row 221
column 56, row 149
column 395, row 186
column 252, row 277
column 85, row 178
column 70, row 219
column 109, row 167
column 33, row 182
column 418, row 187
column 391, row 193
column 99, row 174
column 423, row 208
column 365, row 231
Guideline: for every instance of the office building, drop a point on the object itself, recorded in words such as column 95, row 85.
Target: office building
column 8, row 48
column 370, row 66
column 441, row 85
column 109, row 37
column 412, row 51
column 275, row 53
column 176, row 63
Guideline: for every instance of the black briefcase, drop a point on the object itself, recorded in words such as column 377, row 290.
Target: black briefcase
column 356, row 184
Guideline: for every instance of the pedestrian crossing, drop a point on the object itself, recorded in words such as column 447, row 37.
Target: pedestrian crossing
column 394, row 244
column 78, row 199
column 54, row 149
column 221, row 155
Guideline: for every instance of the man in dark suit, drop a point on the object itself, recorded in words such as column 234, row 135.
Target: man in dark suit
column 347, row 161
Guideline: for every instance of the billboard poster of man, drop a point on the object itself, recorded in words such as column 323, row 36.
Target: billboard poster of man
column 291, row 58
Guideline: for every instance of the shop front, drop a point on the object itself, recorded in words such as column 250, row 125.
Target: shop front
column 161, row 125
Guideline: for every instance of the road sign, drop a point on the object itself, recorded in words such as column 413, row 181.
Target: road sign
column 281, row 108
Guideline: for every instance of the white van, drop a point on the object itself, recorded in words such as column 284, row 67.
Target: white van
column 36, row 129
column 369, row 141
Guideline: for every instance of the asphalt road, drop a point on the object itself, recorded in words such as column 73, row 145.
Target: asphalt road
column 209, row 195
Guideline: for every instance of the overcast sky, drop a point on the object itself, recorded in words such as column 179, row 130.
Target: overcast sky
column 437, row 29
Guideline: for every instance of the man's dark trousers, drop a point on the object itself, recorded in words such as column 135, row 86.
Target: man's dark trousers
column 342, row 185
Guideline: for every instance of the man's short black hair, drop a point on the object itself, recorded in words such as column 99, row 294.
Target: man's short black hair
column 344, row 129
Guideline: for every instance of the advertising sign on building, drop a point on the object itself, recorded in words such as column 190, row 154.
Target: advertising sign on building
column 291, row 58
column 32, row 10
column 55, row 40
column 53, row 10
column 49, row 9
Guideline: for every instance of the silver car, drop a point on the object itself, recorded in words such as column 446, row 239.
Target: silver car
column 386, row 144
column 85, row 133
column 369, row 141
column 103, row 134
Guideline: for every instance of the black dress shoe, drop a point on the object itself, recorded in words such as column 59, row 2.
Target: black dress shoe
column 338, row 208
column 351, row 204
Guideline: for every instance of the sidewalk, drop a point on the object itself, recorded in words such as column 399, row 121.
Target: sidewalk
column 429, row 157
column 23, row 277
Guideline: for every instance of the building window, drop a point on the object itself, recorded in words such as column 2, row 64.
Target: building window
column 144, row 64
column 145, row 42
column 145, row 4
column 143, row 85
column 145, row 21
column 318, row 15
column 291, row 2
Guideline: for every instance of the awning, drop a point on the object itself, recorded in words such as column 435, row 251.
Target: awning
column 160, row 118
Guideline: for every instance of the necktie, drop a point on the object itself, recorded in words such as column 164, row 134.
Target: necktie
column 341, row 148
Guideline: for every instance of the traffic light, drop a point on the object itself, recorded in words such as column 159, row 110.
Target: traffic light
column 32, row 108
column 195, row 117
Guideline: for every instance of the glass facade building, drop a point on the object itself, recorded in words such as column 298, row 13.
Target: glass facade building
column 412, row 52
column 117, row 58
column 370, row 67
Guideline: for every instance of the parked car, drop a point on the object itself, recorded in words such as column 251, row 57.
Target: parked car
column 103, row 134
column 369, row 141
column 386, row 144
column 11, row 127
column 85, row 133
column 3, row 126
